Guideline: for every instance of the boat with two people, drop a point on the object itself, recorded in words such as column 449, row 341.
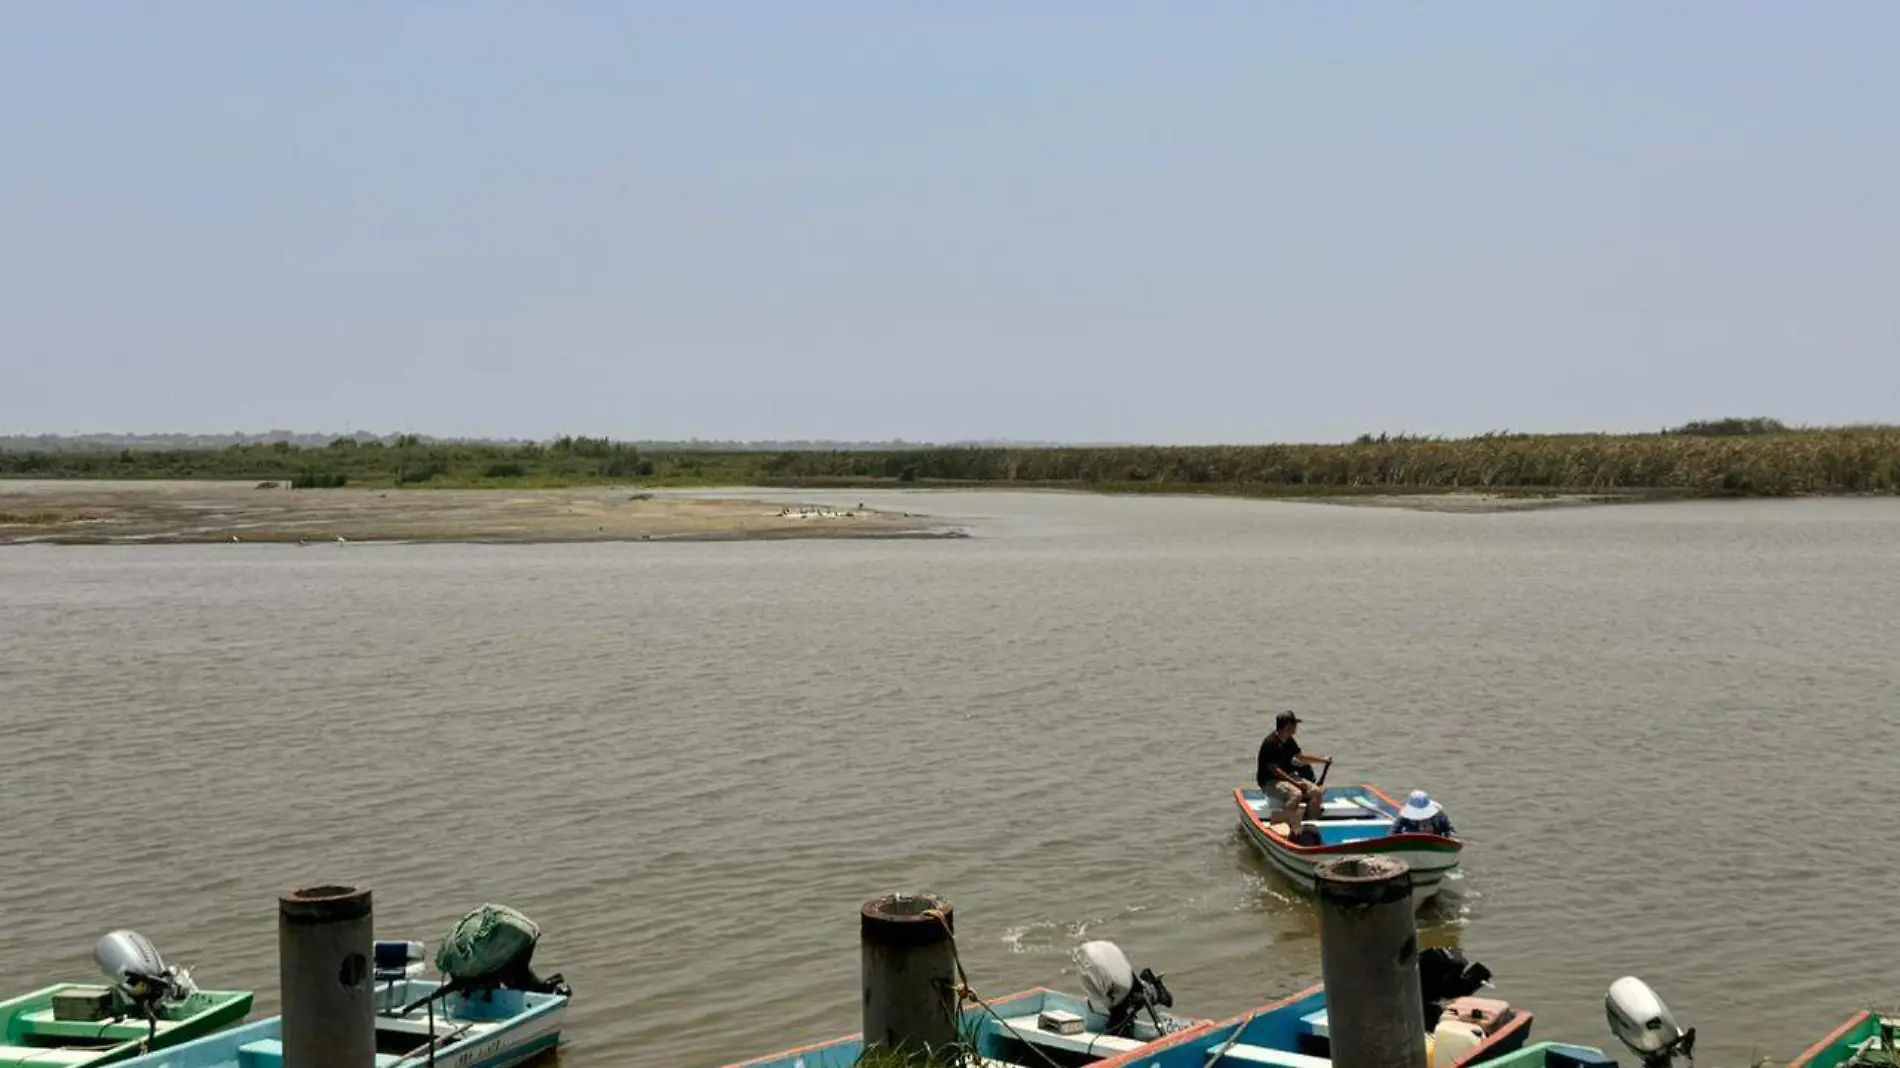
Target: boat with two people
column 1295, row 820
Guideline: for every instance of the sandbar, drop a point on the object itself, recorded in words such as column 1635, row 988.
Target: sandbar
column 178, row 512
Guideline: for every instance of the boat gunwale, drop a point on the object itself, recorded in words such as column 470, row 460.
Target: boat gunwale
column 1834, row 1038
column 1237, row 1023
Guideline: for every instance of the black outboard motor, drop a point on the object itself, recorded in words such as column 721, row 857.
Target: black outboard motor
column 1444, row 975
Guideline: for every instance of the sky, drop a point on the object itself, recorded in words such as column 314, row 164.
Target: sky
column 1082, row 221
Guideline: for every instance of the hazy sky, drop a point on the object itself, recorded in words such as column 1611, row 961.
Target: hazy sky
column 1093, row 221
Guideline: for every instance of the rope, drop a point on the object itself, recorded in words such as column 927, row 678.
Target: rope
column 1214, row 1055
column 965, row 992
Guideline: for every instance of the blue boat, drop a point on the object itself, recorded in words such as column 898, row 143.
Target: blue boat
column 1293, row 1033
column 1036, row 1027
column 1006, row 1033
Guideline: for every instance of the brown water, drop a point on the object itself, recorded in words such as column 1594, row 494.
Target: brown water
column 1670, row 733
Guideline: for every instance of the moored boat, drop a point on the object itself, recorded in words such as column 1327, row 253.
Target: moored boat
column 1122, row 1012
column 1295, row 1032
column 1866, row 1038
column 1117, row 1023
column 148, row 1005
column 489, row 1010
column 1356, row 820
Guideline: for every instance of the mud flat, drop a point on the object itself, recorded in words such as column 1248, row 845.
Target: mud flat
column 104, row 513
column 1476, row 503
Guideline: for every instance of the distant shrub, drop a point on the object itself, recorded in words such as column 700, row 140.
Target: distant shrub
column 1731, row 428
column 317, row 480
column 504, row 470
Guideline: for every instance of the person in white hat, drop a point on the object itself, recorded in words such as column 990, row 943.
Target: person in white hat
column 1422, row 815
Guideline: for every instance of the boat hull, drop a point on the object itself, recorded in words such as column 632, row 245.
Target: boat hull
column 1432, row 858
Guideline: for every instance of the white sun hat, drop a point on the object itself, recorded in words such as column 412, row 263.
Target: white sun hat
column 1419, row 806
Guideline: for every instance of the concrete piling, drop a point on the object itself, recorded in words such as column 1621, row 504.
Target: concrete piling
column 909, row 975
column 325, row 943
column 1369, row 960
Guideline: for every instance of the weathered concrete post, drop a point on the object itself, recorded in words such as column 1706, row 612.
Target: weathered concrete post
column 325, row 939
column 1369, row 959
column 910, row 974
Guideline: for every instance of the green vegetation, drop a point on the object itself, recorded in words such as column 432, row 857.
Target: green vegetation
column 1751, row 457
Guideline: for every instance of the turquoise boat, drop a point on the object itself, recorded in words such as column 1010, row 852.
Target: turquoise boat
column 1554, row 1055
column 491, row 1029
column 1007, row 1032
column 1294, row 1033
column 1035, row 1027
column 488, row 1011
column 36, row 1032
column 1867, row 1038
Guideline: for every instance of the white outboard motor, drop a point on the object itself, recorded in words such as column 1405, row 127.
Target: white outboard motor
column 138, row 973
column 1116, row 991
column 1642, row 1022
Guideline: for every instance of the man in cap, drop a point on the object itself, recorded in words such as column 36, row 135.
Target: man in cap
column 1282, row 772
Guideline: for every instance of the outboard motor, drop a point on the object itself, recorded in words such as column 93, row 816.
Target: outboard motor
column 1115, row 991
column 140, row 977
column 1444, row 975
column 1642, row 1022
column 489, row 949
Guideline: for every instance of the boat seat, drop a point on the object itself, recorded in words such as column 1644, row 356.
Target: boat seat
column 36, row 1055
column 1279, row 1058
column 1085, row 1042
column 43, row 1023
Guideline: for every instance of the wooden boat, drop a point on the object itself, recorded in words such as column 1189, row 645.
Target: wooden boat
column 1867, row 1038
column 1354, row 820
column 419, row 1022
column 1294, row 1033
column 35, row 1033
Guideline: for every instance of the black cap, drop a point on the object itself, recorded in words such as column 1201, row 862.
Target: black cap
column 1285, row 719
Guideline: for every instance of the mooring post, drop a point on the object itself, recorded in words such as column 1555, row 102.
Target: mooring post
column 910, row 975
column 1368, row 952
column 325, row 941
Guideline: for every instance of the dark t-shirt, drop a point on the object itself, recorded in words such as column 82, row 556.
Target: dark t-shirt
column 1275, row 753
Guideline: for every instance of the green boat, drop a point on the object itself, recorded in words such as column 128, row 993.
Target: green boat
column 147, row 1006
column 1867, row 1038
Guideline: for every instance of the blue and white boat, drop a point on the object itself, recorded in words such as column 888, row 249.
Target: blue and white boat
column 1294, row 1033
column 1117, row 1025
column 504, row 1015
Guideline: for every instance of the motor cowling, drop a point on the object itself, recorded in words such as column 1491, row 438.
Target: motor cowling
column 138, row 972
column 1115, row 990
column 1640, row 1020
